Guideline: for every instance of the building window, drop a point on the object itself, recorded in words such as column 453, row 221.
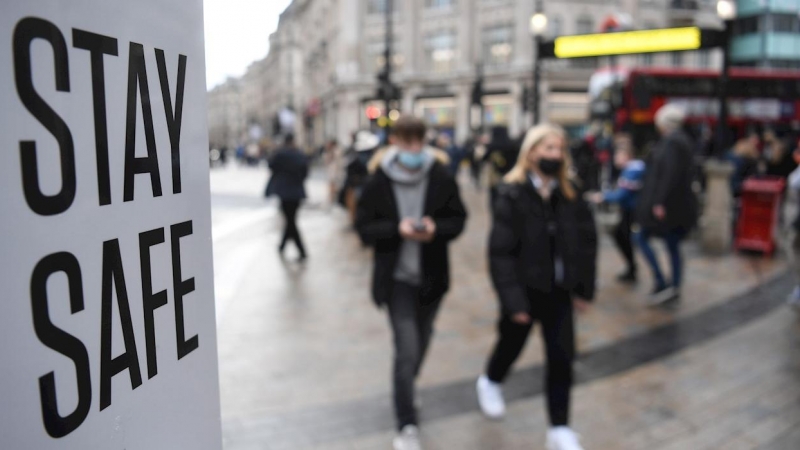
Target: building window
column 379, row 6
column 439, row 3
column 785, row 23
column 375, row 54
column 497, row 45
column 584, row 25
column 555, row 27
column 440, row 51
column 677, row 59
column 704, row 59
column 747, row 25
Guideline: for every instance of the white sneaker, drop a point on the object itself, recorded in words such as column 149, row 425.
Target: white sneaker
column 490, row 398
column 563, row 438
column 407, row 439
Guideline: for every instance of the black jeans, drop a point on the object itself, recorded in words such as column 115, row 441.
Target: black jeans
column 554, row 313
column 412, row 327
column 623, row 237
column 291, row 232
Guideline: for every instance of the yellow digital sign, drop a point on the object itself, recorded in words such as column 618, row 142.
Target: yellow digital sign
column 628, row 42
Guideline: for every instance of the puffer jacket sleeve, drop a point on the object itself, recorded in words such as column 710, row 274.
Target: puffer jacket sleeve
column 587, row 252
column 451, row 218
column 504, row 250
column 370, row 225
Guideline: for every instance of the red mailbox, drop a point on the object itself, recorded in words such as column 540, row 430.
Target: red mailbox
column 758, row 217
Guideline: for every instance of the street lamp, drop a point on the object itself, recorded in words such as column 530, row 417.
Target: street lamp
column 726, row 10
column 538, row 27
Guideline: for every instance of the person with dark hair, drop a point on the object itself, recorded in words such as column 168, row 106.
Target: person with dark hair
column 502, row 154
column 409, row 211
column 625, row 194
column 542, row 258
column 289, row 170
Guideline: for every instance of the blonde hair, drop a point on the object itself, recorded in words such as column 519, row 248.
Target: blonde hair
column 534, row 137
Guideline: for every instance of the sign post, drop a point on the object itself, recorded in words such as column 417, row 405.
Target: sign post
column 107, row 310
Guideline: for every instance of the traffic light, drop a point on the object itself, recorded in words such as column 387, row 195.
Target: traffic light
column 477, row 91
column 526, row 99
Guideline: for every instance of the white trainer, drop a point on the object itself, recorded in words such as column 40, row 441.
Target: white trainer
column 407, row 439
column 563, row 438
column 490, row 398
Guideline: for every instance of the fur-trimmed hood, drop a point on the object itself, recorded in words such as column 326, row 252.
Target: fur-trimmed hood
column 377, row 159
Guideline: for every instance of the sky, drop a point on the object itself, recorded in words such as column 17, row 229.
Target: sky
column 237, row 33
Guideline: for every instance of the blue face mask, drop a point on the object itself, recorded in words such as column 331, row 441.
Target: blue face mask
column 409, row 160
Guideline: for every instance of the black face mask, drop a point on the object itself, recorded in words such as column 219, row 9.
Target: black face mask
column 550, row 167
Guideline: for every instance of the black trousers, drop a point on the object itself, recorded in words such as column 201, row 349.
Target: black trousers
column 554, row 313
column 412, row 327
column 623, row 237
column 291, row 232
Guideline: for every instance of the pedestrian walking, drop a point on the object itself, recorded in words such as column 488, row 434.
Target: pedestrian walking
column 542, row 254
column 289, row 170
column 409, row 212
column 625, row 194
column 501, row 155
column 364, row 146
column 794, row 186
column 332, row 157
column 667, row 204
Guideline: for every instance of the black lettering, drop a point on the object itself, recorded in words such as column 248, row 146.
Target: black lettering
column 150, row 301
column 173, row 118
column 98, row 45
column 25, row 32
column 137, row 76
column 181, row 288
column 58, row 426
column 113, row 276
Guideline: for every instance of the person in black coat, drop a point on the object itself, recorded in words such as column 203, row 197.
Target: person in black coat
column 409, row 211
column 501, row 153
column 542, row 253
column 289, row 170
column 667, row 204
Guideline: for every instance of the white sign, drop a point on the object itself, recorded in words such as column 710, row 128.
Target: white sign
column 107, row 308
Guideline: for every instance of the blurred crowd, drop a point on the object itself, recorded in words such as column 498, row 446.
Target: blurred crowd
column 402, row 194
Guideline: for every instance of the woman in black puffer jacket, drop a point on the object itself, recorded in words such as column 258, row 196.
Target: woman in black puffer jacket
column 543, row 250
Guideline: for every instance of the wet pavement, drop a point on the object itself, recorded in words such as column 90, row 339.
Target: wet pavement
column 305, row 357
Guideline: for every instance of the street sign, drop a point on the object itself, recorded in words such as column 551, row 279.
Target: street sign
column 627, row 42
column 631, row 42
column 107, row 309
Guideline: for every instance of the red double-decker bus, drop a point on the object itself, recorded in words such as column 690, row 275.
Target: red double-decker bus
column 757, row 98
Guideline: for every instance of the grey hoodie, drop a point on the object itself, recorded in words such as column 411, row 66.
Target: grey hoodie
column 409, row 188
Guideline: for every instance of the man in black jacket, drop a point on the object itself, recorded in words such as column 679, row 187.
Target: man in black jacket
column 409, row 212
column 667, row 205
column 289, row 171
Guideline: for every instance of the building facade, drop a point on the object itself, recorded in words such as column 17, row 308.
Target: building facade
column 767, row 34
column 325, row 56
column 225, row 119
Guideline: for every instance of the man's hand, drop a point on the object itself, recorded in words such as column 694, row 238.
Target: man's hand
column 581, row 305
column 659, row 212
column 430, row 229
column 408, row 230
